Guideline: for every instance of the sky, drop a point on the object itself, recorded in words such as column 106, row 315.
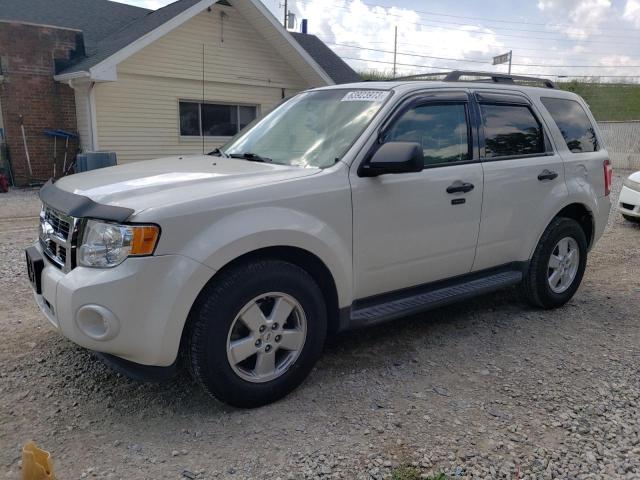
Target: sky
column 599, row 38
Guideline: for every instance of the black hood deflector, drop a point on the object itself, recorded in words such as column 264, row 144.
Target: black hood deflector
column 79, row 206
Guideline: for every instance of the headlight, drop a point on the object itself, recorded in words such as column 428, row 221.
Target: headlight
column 106, row 245
column 631, row 184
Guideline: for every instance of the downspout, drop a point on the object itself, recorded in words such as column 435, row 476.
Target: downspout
column 92, row 117
column 90, row 112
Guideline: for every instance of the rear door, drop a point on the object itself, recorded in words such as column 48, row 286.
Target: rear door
column 523, row 178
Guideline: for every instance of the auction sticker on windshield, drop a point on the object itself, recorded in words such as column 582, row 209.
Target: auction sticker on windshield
column 365, row 96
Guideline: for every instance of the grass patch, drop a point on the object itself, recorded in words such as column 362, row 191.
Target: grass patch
column 407, row 472
column 608, row 101
column 376, row 75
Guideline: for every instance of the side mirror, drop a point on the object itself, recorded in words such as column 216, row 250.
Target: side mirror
column 394, row 157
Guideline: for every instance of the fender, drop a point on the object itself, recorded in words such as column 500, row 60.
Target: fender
column 245, row 231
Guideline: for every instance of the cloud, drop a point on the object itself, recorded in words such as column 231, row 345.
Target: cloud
column 632, row 11
column 584, row 16
column 352, row 22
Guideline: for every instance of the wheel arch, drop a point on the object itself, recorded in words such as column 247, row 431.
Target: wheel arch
column 300, row 257
column 583, row 215
column 577, row 211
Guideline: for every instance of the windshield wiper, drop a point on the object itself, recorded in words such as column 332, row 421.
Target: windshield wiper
column 252, row 157
column 218, row 153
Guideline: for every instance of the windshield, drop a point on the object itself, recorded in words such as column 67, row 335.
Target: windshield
column 313, row 129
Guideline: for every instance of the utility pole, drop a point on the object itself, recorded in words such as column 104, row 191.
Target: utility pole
column 286, row 13
column 395, row 51
column 510, row 58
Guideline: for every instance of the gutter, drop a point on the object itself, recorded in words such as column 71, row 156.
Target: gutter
column 66, row 77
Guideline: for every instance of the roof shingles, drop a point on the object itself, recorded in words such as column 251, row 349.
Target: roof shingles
column 331, row 63
column 96, row 18
column 110, row 26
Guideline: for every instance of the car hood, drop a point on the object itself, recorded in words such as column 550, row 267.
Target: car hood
column 152, row 183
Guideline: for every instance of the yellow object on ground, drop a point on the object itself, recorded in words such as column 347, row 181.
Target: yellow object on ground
column 36, row 463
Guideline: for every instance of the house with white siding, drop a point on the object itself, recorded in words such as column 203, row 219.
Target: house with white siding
column 179, row 79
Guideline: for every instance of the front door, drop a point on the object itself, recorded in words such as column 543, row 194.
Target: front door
column 415, row 228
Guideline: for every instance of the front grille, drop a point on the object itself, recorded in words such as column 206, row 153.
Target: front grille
column 57, row 237
column 59, row 225
column 628, row 206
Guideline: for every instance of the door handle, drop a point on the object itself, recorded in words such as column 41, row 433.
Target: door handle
column 460, row 187
column 547, row 175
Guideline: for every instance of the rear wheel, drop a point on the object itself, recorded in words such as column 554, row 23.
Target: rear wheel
column 255, row 332
column 629, row 218
column 558, row 264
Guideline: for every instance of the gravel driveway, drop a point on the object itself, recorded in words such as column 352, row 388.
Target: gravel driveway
column 489, row 388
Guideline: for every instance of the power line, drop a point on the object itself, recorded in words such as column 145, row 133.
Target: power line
column 332, row 38
column 468, row 60
column 447, row 69
column 408, row 54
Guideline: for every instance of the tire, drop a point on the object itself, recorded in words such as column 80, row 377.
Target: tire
column 631, row 219
column 537, row 282
column 216, row 319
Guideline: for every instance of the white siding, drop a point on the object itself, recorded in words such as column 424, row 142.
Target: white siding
column 137, row 116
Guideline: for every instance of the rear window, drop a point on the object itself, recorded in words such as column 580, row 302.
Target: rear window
column 511, row 130
column 574, row 124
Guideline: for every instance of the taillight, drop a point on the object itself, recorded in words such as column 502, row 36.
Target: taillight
column 608, row 177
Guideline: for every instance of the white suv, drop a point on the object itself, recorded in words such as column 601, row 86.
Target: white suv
column 344, row 207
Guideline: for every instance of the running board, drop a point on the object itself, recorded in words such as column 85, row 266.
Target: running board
column 433, row 297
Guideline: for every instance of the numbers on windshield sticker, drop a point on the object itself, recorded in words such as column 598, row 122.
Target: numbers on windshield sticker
column 365, row 96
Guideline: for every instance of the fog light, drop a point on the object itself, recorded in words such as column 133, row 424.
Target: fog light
column 97, row 322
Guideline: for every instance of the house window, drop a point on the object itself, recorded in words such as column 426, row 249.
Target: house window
column 213, row 119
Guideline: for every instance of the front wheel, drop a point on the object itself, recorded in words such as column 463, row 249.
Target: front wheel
column 557, row 265
column 255, row 332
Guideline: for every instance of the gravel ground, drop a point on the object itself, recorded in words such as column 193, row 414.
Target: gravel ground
column 489, row 388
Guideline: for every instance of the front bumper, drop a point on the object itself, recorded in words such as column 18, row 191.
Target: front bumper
column 629, row 202
column 135, row 311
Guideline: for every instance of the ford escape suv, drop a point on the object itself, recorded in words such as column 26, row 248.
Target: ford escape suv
column 343, row 207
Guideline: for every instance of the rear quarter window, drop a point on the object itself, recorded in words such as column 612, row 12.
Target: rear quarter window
column 577, row 130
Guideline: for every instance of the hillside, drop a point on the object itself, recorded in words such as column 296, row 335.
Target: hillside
column 608, row 101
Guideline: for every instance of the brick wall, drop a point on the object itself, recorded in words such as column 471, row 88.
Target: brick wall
column 27, row 53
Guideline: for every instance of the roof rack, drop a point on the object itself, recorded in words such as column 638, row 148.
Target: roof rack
column 482, row 77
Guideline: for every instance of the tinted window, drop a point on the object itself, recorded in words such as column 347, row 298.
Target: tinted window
column 213, row 120
column 189, row 119
column 575, row 126
column 440, row 129
column 511, row 130
column 219, row 120
column 246, row 115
